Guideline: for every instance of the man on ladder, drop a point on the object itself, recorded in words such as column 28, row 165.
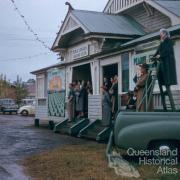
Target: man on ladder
column 167, row 70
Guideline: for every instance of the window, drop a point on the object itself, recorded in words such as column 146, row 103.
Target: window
column 40, row 86
column 125, row 72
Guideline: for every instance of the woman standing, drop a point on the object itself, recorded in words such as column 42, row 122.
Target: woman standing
column 106, row 107
column 114, row 95
column 140, row 85
column 83, row 99
column 167, row 74
column 77, row 104
column 70, row 103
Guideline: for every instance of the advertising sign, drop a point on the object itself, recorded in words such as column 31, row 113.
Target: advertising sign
column 141, row 59
column 56, row 79
column 56, row 92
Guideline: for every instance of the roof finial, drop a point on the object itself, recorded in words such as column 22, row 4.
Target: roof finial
column 70, row 6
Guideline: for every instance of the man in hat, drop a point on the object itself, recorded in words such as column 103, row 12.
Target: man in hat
column 140, row 85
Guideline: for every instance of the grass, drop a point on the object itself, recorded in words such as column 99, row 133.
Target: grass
column 81, row 162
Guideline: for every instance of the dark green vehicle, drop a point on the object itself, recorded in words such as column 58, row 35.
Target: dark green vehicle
column 8, row 105
column 147, row 130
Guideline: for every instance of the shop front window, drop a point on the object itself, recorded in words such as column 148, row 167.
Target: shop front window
column 125, row 72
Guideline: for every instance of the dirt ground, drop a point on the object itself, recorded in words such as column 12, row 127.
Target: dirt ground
column 20, row 139
column 83, row 162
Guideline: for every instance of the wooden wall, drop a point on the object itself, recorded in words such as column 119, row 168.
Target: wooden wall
column 117, row 5
column 41, row 109
column 150, row 22
column 94, row 107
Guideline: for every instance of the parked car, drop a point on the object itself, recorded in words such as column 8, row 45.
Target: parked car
column 28, row 110
column 26, row 102
column 8, row 105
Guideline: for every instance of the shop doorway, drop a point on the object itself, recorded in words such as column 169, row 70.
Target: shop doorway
column 82, row 73
column 110, row 71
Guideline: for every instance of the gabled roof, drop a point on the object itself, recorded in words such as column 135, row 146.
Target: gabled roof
column 174, row 30
column 99, row 22
column 172, row 6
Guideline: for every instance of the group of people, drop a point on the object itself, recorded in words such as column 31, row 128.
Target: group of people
column 77, row 104
column 166, row 76
column 109, row 99
column 112, row 87
column 78, row 95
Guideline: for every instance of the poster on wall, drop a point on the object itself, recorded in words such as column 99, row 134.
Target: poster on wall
column 56, row 80
column 56, row 92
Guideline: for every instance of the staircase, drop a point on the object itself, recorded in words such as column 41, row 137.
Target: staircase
column 71, row 128
column 95, row 131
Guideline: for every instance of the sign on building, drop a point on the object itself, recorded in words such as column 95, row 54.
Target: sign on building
column 56, row 92
column 141, row 59
column 138, row 59
column 80, row 52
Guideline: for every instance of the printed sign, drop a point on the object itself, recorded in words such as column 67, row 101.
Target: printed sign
column 56, row 92
column 80, row 52
column 141, row 59
column 56, row 79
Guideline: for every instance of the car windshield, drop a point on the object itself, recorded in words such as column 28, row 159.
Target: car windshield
column 26, row 102
column 7, row 102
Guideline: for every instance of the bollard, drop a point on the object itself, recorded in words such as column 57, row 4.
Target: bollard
column 51, row 125
column 36, row 122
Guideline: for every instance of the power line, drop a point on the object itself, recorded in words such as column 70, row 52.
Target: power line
column 20, row 39
column 25, row 58
column 29, row 27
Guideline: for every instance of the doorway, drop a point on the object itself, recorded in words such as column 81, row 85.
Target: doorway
column 82, row 73
column 110, row 71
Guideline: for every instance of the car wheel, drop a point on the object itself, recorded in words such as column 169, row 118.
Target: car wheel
column 24, row 113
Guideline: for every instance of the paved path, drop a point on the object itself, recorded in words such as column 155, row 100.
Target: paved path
column 19, row 139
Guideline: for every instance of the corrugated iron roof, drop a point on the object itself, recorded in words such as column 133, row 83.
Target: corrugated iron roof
column 99, row 22
column 173, row 6
column 48, row 67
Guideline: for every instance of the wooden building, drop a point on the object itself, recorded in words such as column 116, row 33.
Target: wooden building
column 94, row 45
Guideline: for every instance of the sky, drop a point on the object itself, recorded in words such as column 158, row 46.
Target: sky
column 16, row 42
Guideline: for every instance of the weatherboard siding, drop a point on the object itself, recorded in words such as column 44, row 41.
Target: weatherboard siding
column 151, row 23
column 94, row 107
column 41, row 109
column 116, row 5
column 176, row 97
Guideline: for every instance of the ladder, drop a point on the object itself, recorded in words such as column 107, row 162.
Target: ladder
column 149, row 87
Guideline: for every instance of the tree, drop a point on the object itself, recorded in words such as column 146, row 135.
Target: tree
column 20, row 91
column 16, row 91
